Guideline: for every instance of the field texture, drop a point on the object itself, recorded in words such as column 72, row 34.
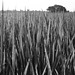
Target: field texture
column 37, row 43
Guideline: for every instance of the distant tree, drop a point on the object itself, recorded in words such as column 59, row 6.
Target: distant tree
column 51, row 9
column 56, row 8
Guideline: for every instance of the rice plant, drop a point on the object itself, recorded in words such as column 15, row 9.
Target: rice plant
column 37, row 43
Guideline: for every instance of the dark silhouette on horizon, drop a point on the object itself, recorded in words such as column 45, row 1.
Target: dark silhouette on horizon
column 57, row 8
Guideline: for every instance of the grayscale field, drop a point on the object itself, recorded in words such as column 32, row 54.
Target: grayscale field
column 37, row 42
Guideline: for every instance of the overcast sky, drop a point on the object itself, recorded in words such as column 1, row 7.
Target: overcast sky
column 36, row 4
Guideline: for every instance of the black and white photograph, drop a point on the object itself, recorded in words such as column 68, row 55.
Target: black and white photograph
column 37, row 37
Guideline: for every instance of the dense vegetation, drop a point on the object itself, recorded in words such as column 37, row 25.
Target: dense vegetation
column 37, row 43
column 57, row 8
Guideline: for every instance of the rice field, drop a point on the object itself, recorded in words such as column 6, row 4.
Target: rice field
column 37, row 43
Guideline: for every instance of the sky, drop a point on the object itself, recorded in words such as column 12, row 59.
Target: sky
column 36, row 4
